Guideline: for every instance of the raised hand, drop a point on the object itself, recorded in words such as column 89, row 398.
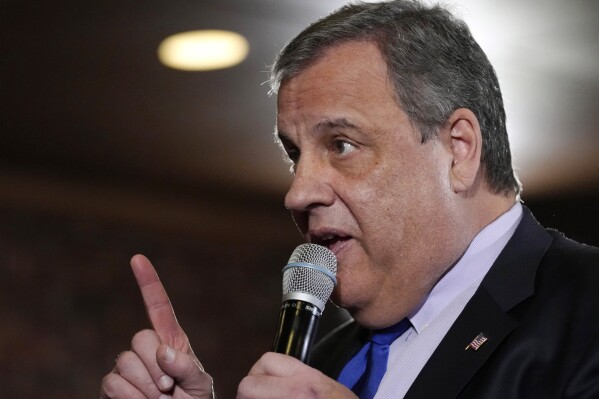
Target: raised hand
column 160, row 363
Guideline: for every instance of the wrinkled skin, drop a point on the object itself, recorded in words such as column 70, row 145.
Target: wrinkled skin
column 363, row 175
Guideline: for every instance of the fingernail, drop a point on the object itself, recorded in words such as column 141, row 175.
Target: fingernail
column 163, row 396
column 169, row 356
column 165, row 382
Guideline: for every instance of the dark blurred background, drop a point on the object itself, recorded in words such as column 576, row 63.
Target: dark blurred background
column 105, row 153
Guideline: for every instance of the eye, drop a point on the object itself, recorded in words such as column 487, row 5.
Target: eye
column 342, row 147
column 291, row 152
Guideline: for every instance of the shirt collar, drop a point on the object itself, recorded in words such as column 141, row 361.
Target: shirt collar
column 467, row 274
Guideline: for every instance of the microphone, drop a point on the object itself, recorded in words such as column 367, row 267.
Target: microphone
column 308, row 281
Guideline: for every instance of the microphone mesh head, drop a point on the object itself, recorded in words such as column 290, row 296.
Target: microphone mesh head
column 304, row 279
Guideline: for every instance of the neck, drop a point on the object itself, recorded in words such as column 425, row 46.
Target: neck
column 488, row 206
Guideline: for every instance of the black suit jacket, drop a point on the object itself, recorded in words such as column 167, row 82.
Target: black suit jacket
column 539, row 308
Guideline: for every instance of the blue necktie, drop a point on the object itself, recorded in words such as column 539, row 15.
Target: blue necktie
column 364, row 372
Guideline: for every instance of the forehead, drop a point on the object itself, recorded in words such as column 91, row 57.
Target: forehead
column 350, row 75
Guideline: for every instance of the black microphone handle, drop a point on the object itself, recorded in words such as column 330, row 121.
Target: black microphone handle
column 298, row 322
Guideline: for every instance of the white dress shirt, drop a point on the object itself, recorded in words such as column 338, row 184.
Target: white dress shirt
column 410, row 352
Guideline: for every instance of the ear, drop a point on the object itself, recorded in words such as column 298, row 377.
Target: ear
column 466, row 146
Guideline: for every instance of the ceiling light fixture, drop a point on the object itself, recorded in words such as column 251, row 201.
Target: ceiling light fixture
column 203, row 50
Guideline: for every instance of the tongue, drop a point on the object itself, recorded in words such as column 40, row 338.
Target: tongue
column 335, row 243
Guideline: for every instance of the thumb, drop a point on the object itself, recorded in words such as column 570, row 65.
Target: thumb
column 187, row 371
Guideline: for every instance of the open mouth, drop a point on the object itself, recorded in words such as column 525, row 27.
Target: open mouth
column 333, row 241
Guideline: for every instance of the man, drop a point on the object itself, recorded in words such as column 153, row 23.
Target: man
column 393, row 120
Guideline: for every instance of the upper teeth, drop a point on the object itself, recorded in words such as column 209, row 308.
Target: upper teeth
column 327, row 236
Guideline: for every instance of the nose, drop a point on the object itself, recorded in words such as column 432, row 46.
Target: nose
column 311, row 186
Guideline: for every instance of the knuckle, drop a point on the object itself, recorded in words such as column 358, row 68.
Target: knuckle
column 297, row 391
column 108, row 384
column 246, row 384
column 113, row 387
column 267, row 357
column 125, row 358
column 150, row 386
column 142, row 337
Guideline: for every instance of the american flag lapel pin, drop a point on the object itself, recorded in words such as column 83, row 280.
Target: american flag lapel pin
column 477, row 342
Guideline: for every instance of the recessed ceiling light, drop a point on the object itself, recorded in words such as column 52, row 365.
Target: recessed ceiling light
column 203, row 50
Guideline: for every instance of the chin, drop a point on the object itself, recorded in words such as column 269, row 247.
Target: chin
column 368, row 317
column 345, row 299
column 336, row 300
column 340, row 300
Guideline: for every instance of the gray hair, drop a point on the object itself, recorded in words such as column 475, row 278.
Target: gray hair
column 434, row 62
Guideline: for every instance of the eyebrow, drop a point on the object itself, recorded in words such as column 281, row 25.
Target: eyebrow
column 334, row 123
column 326, row 124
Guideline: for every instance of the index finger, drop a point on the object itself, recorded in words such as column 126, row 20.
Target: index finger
column 158, row 306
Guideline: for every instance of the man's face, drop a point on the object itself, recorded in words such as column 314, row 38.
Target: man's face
column 364, row 185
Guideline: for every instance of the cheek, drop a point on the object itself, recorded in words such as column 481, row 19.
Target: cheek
column 358, row 280
column 382, row 196
column 394, row 210
column 378, row 203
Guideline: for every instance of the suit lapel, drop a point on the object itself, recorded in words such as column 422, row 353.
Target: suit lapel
column 509, row 282
column 333, row 352
column 451, row 366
